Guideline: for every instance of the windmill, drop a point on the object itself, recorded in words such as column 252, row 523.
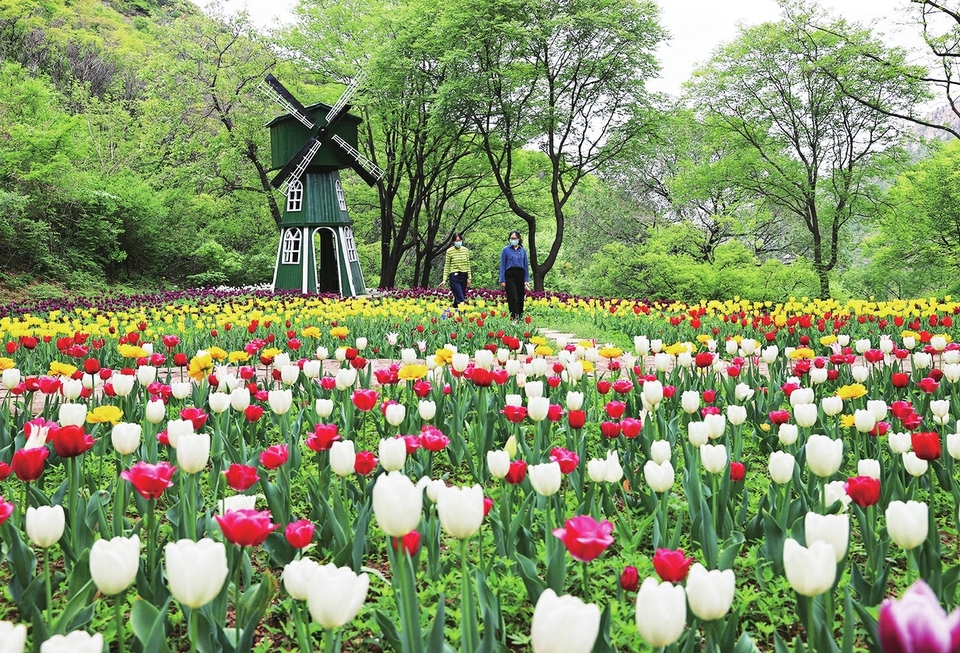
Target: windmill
column 310, row 145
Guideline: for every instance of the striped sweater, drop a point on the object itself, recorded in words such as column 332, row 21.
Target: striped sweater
column 457, row 260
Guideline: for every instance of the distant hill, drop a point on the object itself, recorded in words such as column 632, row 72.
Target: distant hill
column 943, row 115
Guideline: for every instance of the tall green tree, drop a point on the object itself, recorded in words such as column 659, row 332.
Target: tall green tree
column 564, row 77
column 821, row 153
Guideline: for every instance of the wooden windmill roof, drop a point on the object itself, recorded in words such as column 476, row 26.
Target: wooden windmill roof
column 319, row 110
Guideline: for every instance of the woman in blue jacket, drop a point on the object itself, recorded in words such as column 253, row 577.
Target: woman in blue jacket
column 514, row 274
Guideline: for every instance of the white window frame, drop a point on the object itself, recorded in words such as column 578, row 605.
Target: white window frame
column 292, row 246
column 341, row 198
column 295, row 196
column 350, row 245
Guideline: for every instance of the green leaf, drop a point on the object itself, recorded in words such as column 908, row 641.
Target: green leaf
column 603, row 644
column 388, row 630
column 253, row 605
column 527, row 569
column 78, row 601
column 435, row 641
column 148, row 626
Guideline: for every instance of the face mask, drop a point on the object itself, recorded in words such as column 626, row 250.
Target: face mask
column 514, row 242
column 458, row 244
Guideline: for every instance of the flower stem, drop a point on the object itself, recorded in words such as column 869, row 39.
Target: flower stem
column 586, row 582
column 118, row 613
column 192, row 630
column 49, row 587
column 152, row 544
column 330, row 641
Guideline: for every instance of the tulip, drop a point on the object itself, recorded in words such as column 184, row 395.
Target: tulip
column 743, row 392
column 241, row 477
column 661, row 612
column 787, row 434
column 832, row 529
column 246, row 527
column 13, row 638
column 836, row 491
column 653, row 392
column 660, row 477
column 824, row 455
column 193, row 452
column 584, row 537
column 298, row 577
column 342, row 457
column 869, row 467
column 460, row 510
column 537, row 408
column 280, row 401
column 533, row 390
column 240, row 399
column 219, row 402
column 801, row 396
column 698, row 433
column 427, row 409
column 397, row 504
column 914, row 465
column 713, row 457
column 114, row 563
column 953, row 445
column 122, row 384
column 781, row 467
column 574, row 400
column 736, row 415
column 864, row 420
column 236, row 502
column 395, row 414
column 393, row 454
column 710, row 593
column 907, row 523
column 810, row 570
column 917, row 623
column 195, row 571
column 498, row 461
column 564, row 624
column 323, row 408
column 545, row 478
column 614, row 469
column 177, row 428
column 899, row 442
column 78, row 641
column 72, row 414
column 690, row 401
column 863, row 490
column 180, row 389
column 9, row 379
column 926, row 445
column 45, row 525
column 805, row 415
column 597, row 470
column 335, row 595
column 156, row 411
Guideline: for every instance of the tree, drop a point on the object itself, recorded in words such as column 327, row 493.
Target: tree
column 564, row 77
column 821, row 153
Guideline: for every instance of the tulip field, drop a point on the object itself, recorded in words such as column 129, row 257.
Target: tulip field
column 245, row 471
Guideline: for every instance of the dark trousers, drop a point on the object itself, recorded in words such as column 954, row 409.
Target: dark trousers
column 513, row 278
column 458, row 284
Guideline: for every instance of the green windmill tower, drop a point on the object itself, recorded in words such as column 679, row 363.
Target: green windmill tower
column 310, row 145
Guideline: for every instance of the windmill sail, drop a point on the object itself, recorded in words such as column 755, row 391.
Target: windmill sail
column 367, row 169
column 272, row 87
column 296, row 166
column 345, row 97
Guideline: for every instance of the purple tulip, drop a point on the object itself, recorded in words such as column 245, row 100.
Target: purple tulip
column 917, row 624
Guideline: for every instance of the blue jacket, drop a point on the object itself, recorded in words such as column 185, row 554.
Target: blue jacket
column 514, row 258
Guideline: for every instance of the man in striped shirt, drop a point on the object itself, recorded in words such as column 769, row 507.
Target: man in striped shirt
column 456, row 268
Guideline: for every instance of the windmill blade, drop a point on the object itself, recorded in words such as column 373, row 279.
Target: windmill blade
column 272, row 87
column 367, row 169
column 334, row 114
column 298, row 164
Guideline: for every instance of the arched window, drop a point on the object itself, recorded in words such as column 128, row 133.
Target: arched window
column 291, row 247
column 350, row 245
column 340, row 197
column 294, row 196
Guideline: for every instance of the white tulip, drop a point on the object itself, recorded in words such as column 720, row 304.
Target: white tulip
column 219, row 402
column 323, row 408
column 660, row 451
column 545, row 478
column 240, row 398
column 45, row 525
column 125, row 437
column 869, row 467
column 79, row 641
column 114, row 563
column 298, row 577
column 661, row 612
column 280, row 401
column 805, row 415
column 831, row 405
column 660, row 477
column 397, row 504
column 72, row 414
column 181, row 389
column 713, row 457
column 574, row 400
column 195, row 570
column 899, row 442
column 336, row 594
column 914, row 466
column 193, row 452
column 787, row 434
column 343, row 457
column 563, row 624
column 395, row 414
column 907, row 523
column 781, row 467
column 832, row 529
column 393, row 454
column 710, row 593
column 460, row 510
column 736, row 415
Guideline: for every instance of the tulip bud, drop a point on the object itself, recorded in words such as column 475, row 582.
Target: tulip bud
column 460, row 510
column 343, row 456
column 824, row 455
column 393, row 454
column 397, row 504
column 660, row 477
column 193, row 452
column 427, row 409
column 564, row 624
column 72, row 414
column 395, row 414
column 78, row 641
column 336, row 594
column 312, row 368
column 781, row 467
column 716, row 424
column 698, row 433
column 240, row 399
column 831, row 405
column 915, row 466
column 690, row 401
column 574, row 400
column 323, row 408
column 346, row 377
column 9, row 379
column 907, row 523
column 125, row 437
column 498, row 462
column 805, row 415
column 510, row 446
column 736, row 415
column 156, row 411
column 537, row 408
column 45, row 525
column 660, row 451
column 545, row 478
column 597, row 470
column 810, row 570
column 114, row 563
column 298, row 577
column 787, row 434
column 280, row 401
column 219, row 402
column 13, row 637
column 713, row 457
column 661, row 612
column 869, row 467
column 653, row 392
column 195, row 570
column 832, row 529
column 710, row 593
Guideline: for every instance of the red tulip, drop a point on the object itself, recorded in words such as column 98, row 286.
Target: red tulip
column 195, row 415
column 615, row 409
column 275, row 456
column 70, row 441
column 671, row 566
column 323, row 437
column 737, row 471
column 630, row 427
column 28, row 464
column 779, row 416
column 928, row 384
column 926, row 445
column 863, row 490
column 365, row 463
column 900, row 379
column 609, row 430
column 703, row 359
column 6, row 509
column 432, row 439
column 246, row 527
column 170, row 341
column 576, row 419
column 241, row 477
column 518, row 472
column 149, row 480
column 253, row 413
column 630, row 579
column 409, row 542
column 487, row 506
column 299, row 533
column 5, row 470
column 422, row 389
column 515, row 414
column 364, row 400
column 603, row 387
column 567, row 459
column 584, row 537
